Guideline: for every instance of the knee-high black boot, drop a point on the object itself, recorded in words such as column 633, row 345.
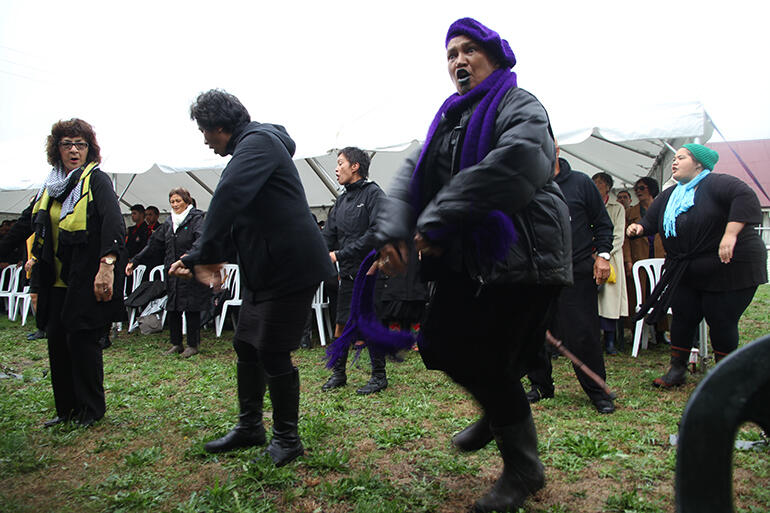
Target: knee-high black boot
column 249, row 431
column 285, row 446
column 338, row 377
column 379, row 380
column 523, row 473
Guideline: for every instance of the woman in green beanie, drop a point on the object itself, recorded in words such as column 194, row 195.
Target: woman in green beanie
column 715, row 258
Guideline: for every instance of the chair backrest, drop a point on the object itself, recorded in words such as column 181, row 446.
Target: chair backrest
column 8, row 279
column 136, row 279
column 232, row 280
column 156, row 273
column 654, row 269
column 318, row 298
column 18, row 281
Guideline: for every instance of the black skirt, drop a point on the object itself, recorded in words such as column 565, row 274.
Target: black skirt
column 275, row 324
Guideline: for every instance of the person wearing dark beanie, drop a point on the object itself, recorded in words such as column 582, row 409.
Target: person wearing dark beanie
column 715, row 259
column 476, row 200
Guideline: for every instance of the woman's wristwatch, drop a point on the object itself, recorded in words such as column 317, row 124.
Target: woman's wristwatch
column 109, row 260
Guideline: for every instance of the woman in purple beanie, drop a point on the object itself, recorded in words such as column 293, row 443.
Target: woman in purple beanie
column 493, row 234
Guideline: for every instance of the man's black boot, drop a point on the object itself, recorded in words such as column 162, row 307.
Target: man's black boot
column 250, row 431
column 338, row 377
column 379, row 380
column 474, row 437
column 523, row 473
column 285, row 445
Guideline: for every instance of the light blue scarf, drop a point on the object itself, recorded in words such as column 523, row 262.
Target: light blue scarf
column 680, row 201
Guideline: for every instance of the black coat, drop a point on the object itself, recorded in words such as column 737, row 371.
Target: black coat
column 349, row 229
column 80, row 263
column 183, row 295
column 515, row 177
column 259, row 200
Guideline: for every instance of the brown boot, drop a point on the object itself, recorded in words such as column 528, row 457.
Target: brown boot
column 675, row 376
column 174, row 350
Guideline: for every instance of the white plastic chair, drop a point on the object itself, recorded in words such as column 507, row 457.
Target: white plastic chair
column 136, row 280
column 231, row 280
column 8, row 286
column 653, row 267
column 321, row 309
column 156, row 273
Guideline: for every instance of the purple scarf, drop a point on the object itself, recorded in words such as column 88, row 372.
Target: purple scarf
column 491, row 237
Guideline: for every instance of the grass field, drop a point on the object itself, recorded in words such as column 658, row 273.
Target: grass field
column 384, row 453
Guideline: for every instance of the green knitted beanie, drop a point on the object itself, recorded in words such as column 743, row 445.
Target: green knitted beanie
column 705, row 156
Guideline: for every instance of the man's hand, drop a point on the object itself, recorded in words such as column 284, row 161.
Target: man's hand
column 129, row 268
column 601, row 270
column 634, row 230
column 393, row 259
column 209, row 275
column 424, row 247
column 104, row 282
column 179, row 270
column 29, row 265
column 333, row 257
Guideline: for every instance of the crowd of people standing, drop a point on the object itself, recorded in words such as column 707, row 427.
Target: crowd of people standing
column 487, row 245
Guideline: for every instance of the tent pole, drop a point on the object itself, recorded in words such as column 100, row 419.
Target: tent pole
column 200, row 182
column 318, row 170
column 115, row 186
column 627, row 148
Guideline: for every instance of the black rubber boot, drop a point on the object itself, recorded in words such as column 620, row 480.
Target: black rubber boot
column 474, row 437
column 338, row 377
column 379, row 380
column 250, row 431
column 609, row 342
column 523, row 473
column 675, row 376
column 285, row 446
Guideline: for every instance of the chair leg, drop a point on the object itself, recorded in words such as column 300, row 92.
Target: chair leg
column 638, row 335
column 220, row 321
column 320, row 323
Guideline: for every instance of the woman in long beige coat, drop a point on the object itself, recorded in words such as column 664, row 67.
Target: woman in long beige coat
column 613, row 297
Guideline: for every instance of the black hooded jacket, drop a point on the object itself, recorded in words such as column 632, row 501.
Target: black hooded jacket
column 259, row 200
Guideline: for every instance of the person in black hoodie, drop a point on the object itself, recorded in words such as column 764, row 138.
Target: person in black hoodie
column 259, row 200
column 576, row 321
column 349, row 235
column 173, row 239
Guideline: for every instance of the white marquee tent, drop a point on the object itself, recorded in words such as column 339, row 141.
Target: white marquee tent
column 627, row 143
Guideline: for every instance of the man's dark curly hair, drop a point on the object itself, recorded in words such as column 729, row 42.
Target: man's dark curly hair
column 71, row 128
column 219, row 109
column 357, row 156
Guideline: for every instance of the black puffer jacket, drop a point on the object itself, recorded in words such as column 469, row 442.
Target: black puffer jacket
column 515, row 177
column 183, row 295
column 349, row 229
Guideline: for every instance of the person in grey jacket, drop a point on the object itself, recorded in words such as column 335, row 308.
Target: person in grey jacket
column 492, row 230
column 261, row 203
column 349, row 235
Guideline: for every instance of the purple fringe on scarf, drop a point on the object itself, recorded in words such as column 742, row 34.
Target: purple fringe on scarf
column 363, row 323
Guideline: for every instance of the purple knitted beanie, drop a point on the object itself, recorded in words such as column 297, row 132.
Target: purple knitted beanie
column 490, row 40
